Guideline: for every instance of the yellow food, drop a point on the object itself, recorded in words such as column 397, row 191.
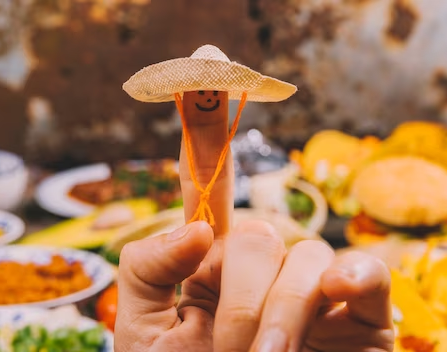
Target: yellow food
column 419, row 292
column 84, row 232
column 403, row 191
column 331, row 153
column 328, row 160
column 419, row 138
column 418, row 315
column 401, row 185
column 30, row 282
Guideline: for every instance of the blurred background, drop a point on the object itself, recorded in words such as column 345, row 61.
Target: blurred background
column 362, row 66
column 356, row 158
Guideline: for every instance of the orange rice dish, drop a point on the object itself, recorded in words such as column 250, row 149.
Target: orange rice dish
column 31, row 282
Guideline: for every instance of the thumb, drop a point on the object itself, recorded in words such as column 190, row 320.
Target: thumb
column 148, row 272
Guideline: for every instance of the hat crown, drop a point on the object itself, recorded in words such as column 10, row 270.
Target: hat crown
column 210, row 52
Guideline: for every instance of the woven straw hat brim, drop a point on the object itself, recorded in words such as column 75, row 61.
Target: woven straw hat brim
column 159, row 82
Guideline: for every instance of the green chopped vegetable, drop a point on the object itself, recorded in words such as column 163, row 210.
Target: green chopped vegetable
column 33, row 338
column 110, row 256
column 301, row 206
column 93, row 337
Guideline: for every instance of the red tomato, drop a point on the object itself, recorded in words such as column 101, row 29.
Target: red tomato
column 106, row 306
column 417, row 344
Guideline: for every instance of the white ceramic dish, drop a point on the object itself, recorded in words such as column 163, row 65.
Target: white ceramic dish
column 318, row 219
column 52, row 193
column 101, row 272
column 268, row 192
column 13, row 180
column 12, row 319
column 11, row 226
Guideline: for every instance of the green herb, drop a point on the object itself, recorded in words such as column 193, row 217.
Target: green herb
column 122, row 175
column 111, row 256
column 301, row 206
column 38, row 339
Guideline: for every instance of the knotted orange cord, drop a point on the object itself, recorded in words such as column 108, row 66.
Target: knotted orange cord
column 203, row 211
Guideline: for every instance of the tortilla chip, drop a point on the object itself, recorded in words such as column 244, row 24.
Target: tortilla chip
column 419, row 318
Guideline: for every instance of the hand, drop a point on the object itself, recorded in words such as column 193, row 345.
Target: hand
column 147, row 318
column 243, row 291
column 270, row 300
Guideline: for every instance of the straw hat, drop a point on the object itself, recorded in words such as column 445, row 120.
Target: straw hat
column 208, row 68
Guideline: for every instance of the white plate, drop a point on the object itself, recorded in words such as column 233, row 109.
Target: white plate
column 67, row 316
column 52, row 193
column 12, row 227
column 94, row 266
column 268, row 192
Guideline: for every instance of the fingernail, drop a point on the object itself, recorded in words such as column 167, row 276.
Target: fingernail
column 179, row 233
column 273, row 340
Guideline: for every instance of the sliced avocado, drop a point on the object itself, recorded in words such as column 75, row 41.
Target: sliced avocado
column 163, row 222
column 79, row 232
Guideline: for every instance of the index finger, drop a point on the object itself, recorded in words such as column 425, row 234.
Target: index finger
column 206, row 121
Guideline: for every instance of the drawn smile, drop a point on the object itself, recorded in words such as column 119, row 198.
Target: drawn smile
column 212, row 108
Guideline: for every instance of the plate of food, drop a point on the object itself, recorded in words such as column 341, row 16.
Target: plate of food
column 401, row 189
column 77, row 192
column 282, row 191
column 50, row 277
column 53, row 193
column 60, row 329
column 11, row 227
column 327, row 161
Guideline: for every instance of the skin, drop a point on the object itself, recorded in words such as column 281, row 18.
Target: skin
column 242, row 290
column 206, row 115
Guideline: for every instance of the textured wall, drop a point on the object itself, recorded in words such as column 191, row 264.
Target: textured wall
column 63, row 63
column 361, row 66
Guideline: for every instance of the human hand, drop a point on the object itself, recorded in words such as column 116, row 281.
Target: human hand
column 147, row 318
column 270, row 300
column 290, row 302
column 244, row 292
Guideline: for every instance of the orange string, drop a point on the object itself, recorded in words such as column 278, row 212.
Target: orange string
column 203, row 211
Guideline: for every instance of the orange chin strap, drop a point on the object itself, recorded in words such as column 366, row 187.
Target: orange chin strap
column 203, row 211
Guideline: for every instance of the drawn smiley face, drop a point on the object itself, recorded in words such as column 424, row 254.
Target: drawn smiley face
column 209, row 100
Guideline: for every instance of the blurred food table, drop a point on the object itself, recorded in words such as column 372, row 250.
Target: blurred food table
column 330, row 188
column 37, row 218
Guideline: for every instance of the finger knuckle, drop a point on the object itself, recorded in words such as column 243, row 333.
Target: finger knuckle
column 127, row 252
column 261, row 227
column 300, row 297
column 313, row 247
column 387, row 336
column 239, row 312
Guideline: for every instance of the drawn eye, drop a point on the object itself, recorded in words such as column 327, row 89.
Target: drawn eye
column 201, row 92
column 215, row 93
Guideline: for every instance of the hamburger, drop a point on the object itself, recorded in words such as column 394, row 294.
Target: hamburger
column 402, row 189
